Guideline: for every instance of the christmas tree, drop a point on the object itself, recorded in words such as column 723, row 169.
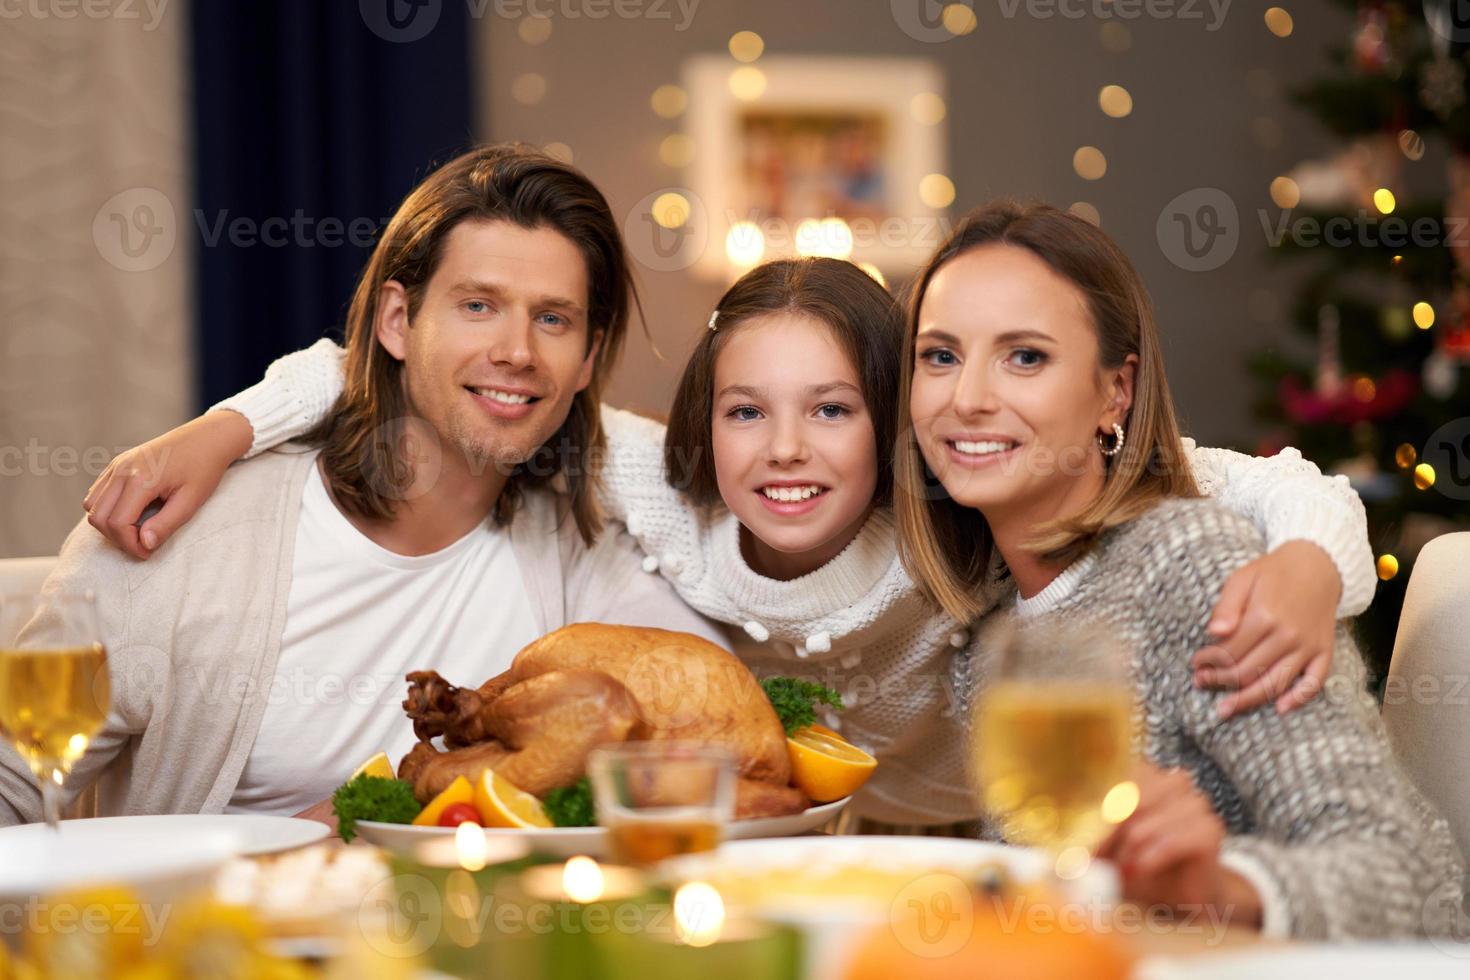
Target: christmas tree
column 1381, row 237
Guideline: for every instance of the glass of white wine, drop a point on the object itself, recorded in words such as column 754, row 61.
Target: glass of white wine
column 1054, row 740
column 54, row 686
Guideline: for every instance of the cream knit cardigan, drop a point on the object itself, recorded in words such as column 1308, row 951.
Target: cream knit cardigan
column 858, row 623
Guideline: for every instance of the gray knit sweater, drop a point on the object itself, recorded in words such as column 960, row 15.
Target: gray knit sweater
column 1320, row 816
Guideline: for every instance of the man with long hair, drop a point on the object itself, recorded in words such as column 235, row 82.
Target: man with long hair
column 443, row 516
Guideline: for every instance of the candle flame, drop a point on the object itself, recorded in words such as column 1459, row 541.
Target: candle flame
column 582, row 880
column 469, row 846
column 699, row 914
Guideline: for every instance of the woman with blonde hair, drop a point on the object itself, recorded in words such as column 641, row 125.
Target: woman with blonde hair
column 1044, row 466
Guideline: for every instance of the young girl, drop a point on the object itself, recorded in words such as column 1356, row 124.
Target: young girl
column 768, row 509
column 1031, row 341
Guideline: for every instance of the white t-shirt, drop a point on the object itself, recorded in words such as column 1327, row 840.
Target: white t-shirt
column 359, row 617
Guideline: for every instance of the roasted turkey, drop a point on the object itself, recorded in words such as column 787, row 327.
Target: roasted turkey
column 590, row 684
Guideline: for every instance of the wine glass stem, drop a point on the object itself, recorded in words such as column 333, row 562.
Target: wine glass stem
column 51, row 800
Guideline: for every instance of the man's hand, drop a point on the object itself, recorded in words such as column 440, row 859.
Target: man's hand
column 1276, row 623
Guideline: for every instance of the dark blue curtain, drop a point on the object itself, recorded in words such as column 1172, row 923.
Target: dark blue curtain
column 312, row 120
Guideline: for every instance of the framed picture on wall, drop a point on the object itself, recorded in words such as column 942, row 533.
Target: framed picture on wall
column 803, row 155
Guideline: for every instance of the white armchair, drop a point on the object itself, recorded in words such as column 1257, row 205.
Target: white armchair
column 24, row 575
column 1426, row 704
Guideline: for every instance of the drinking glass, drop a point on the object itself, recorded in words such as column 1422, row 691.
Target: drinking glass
column 54, row 685
column 1054, row 740
column 661, row 799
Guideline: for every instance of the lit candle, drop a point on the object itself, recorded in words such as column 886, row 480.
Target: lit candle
column 471, row 848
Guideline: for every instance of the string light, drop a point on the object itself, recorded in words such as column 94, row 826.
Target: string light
column 1087, row 212
column 1115, row 101
column 1423, row 315
column 1383, row 200
column 1411, row 143
column 534, row 30
column 1423, row 476
column 669, row 101
column 958, row 19
column 875, row 272
column 1278, row 22
column 1388, row 567
column 746, row 46
column 745, row 245
column 1285, row 193
column 747, row 84
column 559, row 151
column 670, row 209
column 1089, row 163
column 528, row 89
column 676, row 150
column 1405, row 456
column 927, row 108
column 936, row 191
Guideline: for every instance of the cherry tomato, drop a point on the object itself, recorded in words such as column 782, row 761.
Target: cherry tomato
column 458, row 813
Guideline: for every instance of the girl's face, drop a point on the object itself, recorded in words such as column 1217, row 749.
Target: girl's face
column 795, row 457
column 1008, row 398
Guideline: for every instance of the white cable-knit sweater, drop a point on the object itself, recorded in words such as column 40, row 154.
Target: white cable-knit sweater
column 858, row 623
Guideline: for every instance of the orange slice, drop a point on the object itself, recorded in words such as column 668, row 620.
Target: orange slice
column 503, row 805
column 459, row 791
column 825, row 766
column 378, row 766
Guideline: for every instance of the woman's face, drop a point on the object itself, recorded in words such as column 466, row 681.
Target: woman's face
column 1008, row 398
column 794, row 451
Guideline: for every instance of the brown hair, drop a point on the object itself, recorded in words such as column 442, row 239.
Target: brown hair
column 947, row 547
column 501, row 182
column 866, row 323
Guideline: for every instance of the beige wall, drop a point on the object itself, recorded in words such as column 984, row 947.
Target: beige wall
column 94, row 351
column 1022, row 97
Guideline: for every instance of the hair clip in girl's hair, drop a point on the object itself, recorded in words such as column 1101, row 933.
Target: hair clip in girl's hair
column 712, row 318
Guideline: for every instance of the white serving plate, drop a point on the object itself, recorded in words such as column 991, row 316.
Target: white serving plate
column 254, row 834
column 1421, row 961
column 592, row 841
column 158, row 865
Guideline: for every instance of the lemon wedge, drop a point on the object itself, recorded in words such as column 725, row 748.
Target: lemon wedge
column 459, row 791
column 378, row 766
column 826, row 766
column 503, row 805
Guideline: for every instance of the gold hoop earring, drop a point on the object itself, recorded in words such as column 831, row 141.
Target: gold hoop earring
column 1117, row 446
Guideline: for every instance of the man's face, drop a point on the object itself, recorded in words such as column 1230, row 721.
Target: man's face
column 499, row 345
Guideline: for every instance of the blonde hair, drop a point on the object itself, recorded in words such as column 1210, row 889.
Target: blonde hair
column 946, row 547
